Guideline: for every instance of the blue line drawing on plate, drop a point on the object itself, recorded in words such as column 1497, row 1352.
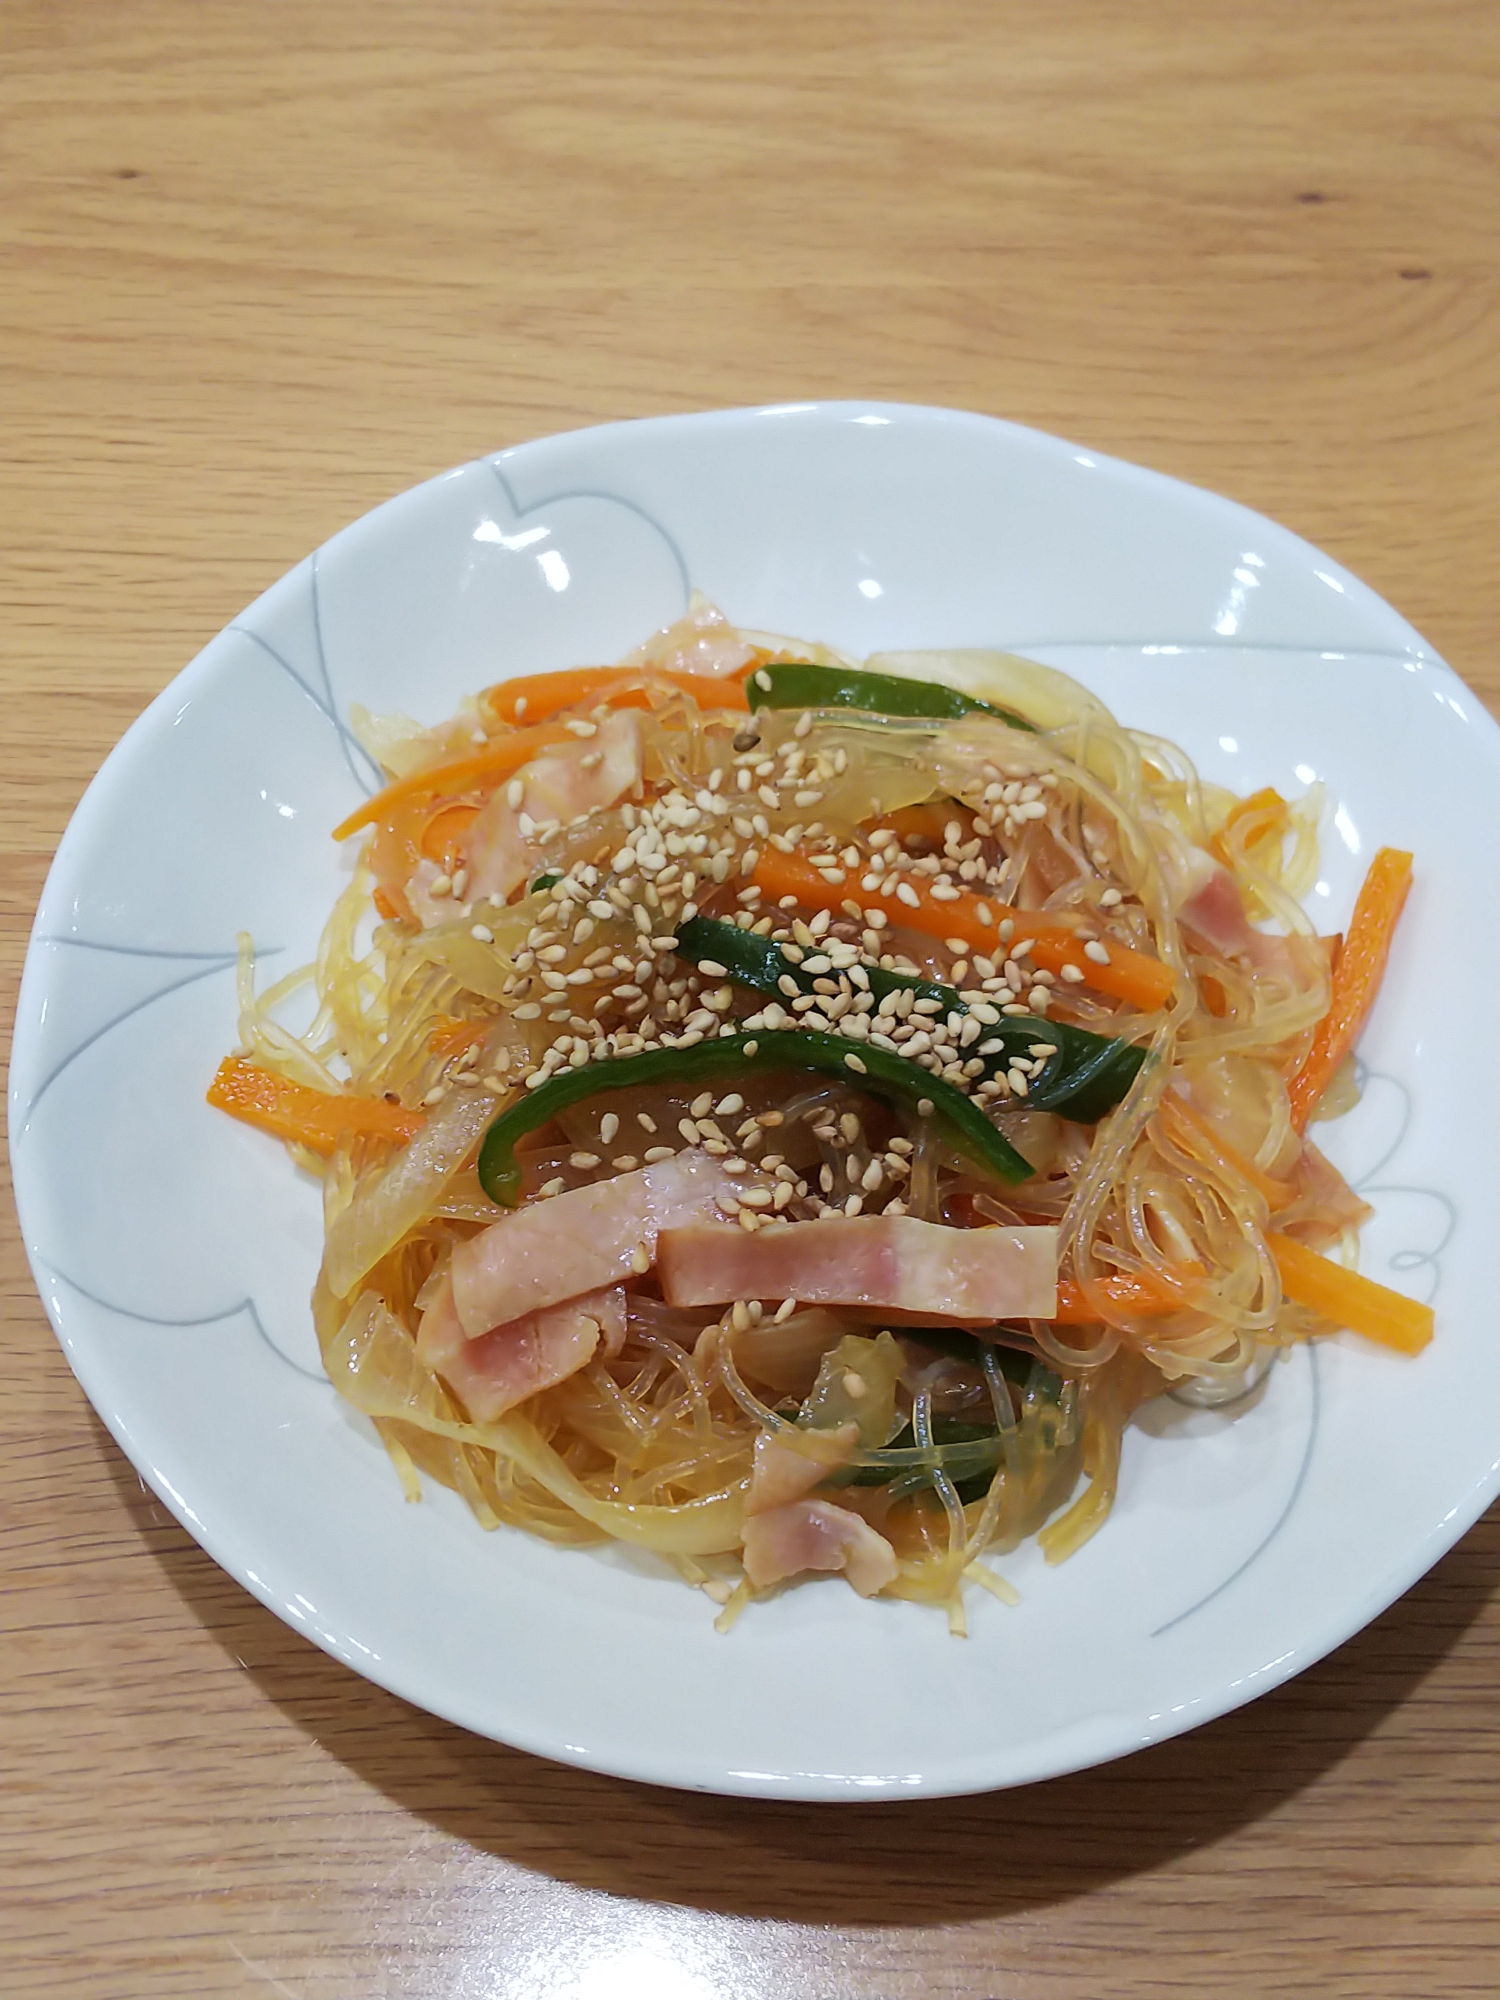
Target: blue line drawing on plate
column 1298, row 1482
column 245, row 1305
column 1403, row 1260
column 595, row 493
column 206, row 963
column 368, row 779
column 1411, row 1259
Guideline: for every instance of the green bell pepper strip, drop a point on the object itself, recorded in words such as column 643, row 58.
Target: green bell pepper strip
column 880, row 1073
column 798, row 684
column 1087, row 1077
column 969, row 1453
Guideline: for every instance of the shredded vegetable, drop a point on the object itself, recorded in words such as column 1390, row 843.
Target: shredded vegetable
column 786, row 1113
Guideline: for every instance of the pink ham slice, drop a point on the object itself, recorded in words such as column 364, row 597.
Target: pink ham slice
column 500, row 854
column 1214, row 909
column 888, row 1263
column 581, row 1241
column 814, row 1534
column 505, row 1366
column 789, row 1464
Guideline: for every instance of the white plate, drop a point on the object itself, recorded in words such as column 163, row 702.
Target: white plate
column 174, row 1248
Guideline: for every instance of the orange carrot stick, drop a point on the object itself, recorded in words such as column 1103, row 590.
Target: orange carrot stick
column 1267, row 807
column 317, row 1119
column 541, row 695
column 1136, row 1294
column 1350, row 1300
column 460, row 774
column 1356, row 978
column 1129, row 975
column 1175, row 1110
column 450, row 1036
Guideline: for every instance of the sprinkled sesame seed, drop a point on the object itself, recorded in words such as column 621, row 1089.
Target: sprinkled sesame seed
column 762, row 680
column 925, row 1107
column 481, row 933
column 853, row 1062
column 553, row 1186
column 1098, row 952
column 1110, row 898
column 654, row 1153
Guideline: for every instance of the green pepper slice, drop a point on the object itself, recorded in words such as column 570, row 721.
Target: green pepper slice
column 1087, row 1077
column 889, row 1077
column 799, row 684
column 968, row 1452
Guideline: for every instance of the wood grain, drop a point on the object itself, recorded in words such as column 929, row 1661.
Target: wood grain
column 264, row 266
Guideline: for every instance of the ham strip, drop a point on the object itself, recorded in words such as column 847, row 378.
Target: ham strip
column 814, row 1534
column 580, row 1241
column 500, row 853
column 888, row 1263
column 503, row 1367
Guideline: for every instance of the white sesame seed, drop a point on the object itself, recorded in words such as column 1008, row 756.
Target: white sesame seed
column 481, row 933
column 925, row 1107
column 553, row 1186
column 1098, row 952
column 853, row 1062
column 654, row 1153
column 1109, row 899
column 1074, row 975
column 762, row 679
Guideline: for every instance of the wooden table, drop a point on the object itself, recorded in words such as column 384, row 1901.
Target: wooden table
column 266, row 265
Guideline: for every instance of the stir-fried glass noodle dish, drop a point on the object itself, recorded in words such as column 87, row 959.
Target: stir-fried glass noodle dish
column 786, row 1113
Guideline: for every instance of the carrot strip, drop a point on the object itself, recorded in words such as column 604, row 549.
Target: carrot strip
column 1176, row 1110
column 1266, row 804
column 541, row 695
column 1356, row 978
column 443, row 836
column 1137, row 1294
column 460, row 774
column 317, row 1119
column 452, row 1036
column 1129, row 975
column 1350, row 1300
